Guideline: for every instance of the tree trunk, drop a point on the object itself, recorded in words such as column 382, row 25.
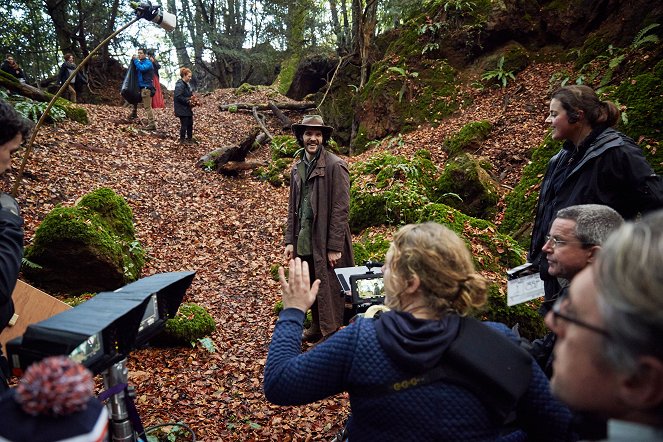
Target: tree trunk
column 25, row 90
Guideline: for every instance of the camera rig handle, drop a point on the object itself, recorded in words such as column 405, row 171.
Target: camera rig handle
column 372, row 264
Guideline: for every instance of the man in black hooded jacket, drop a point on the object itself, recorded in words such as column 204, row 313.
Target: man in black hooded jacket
column 13, row 130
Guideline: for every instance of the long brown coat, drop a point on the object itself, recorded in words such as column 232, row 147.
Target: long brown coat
column 330, row 200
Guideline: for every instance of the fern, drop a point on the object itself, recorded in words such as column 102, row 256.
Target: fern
column 30, row 264
column 641, row 38
column 499, row 74
column 34, row 110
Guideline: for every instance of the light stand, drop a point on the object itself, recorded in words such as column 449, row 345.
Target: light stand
column 121, row 428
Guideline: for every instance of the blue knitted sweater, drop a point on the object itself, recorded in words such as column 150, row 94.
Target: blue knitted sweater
column 438, row 411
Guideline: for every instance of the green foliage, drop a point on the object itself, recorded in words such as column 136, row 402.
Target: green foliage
column 207, row 344
column 405, row 76
column 370, row 247
column 389, row 189
column 191, row 323
column 499, row 74
column 459, row 5
column 283, row 146
column 33, row 110
column 643, row 38
column 469, row 137
column 232, row 108
column 27, row 263
column 277, row 173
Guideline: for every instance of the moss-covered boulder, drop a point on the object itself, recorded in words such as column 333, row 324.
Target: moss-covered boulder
column 90, row 247
column 192, row 322
column 469, row 138
column 403, row 93
column 390, row 189
column 521, row 201
column 466, row 185
column 643, row 98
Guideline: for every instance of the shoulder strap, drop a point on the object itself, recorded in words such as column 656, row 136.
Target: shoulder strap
column 481, row 360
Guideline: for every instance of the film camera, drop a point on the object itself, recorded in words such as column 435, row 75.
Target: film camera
column 362, row 286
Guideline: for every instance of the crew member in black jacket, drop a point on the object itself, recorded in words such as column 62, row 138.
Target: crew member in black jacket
column 596, row 165
column 13, row 130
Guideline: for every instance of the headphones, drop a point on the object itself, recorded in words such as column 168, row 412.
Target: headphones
column 573, row 116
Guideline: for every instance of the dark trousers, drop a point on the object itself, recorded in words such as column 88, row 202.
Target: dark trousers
column 186, row 127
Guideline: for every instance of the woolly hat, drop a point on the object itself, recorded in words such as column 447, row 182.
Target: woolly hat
column 314, row 121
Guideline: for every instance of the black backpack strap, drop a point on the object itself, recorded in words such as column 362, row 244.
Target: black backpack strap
column 480, row 359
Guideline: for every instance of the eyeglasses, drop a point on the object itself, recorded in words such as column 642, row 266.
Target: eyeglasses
column 554, row 242
column 557, row 314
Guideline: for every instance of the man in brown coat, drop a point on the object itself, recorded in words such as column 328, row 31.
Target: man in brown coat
column 317, row 229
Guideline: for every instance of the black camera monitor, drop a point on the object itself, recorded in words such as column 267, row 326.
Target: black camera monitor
column 367, row 289
column 362, row 285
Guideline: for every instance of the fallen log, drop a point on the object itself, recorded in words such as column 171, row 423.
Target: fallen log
column 235, row 166
column 302, row 105
column 25, row 90
column 285, row 121
column 218, row 159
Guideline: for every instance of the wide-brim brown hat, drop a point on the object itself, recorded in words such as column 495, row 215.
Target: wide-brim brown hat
column 314, row 121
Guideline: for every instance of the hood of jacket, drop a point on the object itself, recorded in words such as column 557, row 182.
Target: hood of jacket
column 415, row 345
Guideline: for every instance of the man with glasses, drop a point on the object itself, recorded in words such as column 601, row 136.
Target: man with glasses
column 574, row 239
column 14, row 129
column 609, row 352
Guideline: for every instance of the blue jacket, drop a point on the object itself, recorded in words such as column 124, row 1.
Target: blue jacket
column 357, row 357
column 145, row 72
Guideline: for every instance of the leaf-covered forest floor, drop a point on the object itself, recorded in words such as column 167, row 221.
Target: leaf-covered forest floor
column 230, row 231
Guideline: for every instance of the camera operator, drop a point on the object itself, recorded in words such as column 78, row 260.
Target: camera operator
column 14, row 129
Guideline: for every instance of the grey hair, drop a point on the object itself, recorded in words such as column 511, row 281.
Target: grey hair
column 630, row 281
column 594, row 222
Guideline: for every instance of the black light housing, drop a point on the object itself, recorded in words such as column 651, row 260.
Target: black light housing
column 103, row 330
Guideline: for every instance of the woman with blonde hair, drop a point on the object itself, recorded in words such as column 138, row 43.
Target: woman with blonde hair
column 423, row 370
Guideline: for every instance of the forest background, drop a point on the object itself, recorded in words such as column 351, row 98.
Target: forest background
column 438, row 106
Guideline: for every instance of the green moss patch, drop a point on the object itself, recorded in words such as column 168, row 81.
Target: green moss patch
column 469, row 137
column 90, row 247
column 192, row 322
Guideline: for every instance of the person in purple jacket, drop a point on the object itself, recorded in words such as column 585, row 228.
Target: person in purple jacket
column 423, row 370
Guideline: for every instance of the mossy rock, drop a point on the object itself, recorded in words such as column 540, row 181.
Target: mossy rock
column 245, row 88
column 90, row 247
column 390, row 189
column 521, row 201
column 403, row 93
column 192, row 322
column 643, row 97
column 491, row 250
column 468, row 187
column 468, row 138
